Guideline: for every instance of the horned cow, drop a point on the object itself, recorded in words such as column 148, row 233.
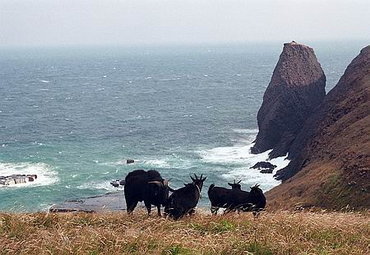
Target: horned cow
column 183, row 201
column 221, row 197
column 147, row 186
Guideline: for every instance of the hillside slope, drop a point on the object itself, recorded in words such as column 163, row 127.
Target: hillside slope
column 118, row 233
column 330, row 164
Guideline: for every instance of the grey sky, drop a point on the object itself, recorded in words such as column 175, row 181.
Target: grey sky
column 69, row 22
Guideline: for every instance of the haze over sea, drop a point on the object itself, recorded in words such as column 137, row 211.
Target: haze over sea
column 74, row 115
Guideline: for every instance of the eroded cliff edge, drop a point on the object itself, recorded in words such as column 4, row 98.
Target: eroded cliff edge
column 330, row 164
column 296, row 88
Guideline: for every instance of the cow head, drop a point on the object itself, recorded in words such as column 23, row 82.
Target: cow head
column 160, row 189
column 235, row 185
column 257, row 197
column 198, row 181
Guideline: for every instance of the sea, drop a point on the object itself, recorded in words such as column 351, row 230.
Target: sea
column 74, row 115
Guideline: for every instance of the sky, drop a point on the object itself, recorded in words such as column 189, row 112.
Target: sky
column 147, row 22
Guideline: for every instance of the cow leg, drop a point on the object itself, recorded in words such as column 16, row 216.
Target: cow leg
column 214, row 209
column 148, row 207
column 159, row 210
column 131, row 206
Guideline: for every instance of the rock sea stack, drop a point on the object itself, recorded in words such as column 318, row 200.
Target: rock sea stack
column 296, row 88
column 330, row 158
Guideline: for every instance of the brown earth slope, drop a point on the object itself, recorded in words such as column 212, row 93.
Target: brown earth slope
column 296, row 88
column 330, row 164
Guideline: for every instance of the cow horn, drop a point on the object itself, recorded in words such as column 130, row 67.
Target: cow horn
column 156, row 182
column 239, row 182
column 196, row 177
column 165, row 182
column 191, row 177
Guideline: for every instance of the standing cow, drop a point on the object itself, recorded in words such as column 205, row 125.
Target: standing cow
column 225, row 198
column 147, row 186
column 183, row 201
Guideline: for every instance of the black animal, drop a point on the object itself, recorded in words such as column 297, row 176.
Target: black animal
column 237, row 199
column 254, row 200
column 147, row 186
column 257, row 199
column 183, row 201
column 225, row 198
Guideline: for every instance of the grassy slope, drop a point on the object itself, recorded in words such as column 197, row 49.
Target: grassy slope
column 118, row 233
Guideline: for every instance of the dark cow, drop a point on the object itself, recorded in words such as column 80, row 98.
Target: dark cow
column 224, row 198
column 183, row 201
column 147, row 186
column 236, row 199
column 254, row 200
column 257, row 199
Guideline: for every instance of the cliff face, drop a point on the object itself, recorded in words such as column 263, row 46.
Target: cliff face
column 330, row 164
column 296, row 88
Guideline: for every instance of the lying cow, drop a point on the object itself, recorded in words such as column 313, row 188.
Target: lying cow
column 225, row 198
column 147, row 186
column 183, row 201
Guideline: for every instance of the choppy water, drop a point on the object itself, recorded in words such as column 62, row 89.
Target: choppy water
column 74, row 115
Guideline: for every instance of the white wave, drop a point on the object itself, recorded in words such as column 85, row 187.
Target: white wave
column 45, row 174
column 44, row 81
column 246, row 131
column 239, row 158
column 238, row 153
column 253, row 176
column 160, row 163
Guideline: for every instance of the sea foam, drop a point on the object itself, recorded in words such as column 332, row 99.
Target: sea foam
column 239, row 159
column 45, row 174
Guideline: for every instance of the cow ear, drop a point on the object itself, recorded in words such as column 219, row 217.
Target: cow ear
column 204, row 179
column 230, row 184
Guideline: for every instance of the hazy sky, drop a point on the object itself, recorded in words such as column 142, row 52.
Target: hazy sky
column 132, row 22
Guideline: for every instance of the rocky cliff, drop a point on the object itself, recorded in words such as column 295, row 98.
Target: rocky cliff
column 330, row 164
column 296, row 88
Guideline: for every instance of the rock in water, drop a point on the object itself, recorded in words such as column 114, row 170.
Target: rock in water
column 263, row 165
column 330, row 158
column 296, row 88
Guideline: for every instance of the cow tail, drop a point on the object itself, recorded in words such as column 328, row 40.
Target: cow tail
column 211, row 187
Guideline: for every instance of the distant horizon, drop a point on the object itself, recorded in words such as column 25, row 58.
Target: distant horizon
column 365, row 42
column 174, row 22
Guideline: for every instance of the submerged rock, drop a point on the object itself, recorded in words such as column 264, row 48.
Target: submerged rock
column 130, row 161
column 17, row 179
column 263, row 165
column 296, row 88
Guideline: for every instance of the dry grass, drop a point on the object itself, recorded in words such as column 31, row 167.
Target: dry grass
column 118, row 233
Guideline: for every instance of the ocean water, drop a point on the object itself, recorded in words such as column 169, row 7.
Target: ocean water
column 74, row 115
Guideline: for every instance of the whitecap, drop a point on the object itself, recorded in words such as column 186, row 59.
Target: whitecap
column 44, row 81
column 239, row 158
column 45, row 174
column 245, row 131
column 160, row 163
